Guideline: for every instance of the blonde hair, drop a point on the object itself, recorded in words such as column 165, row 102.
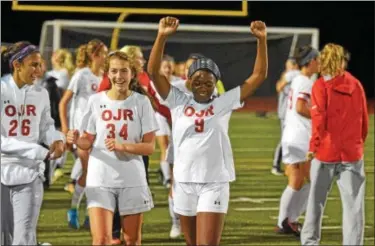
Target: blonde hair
column 65, row 60
column 85, row 51
column 331, row 59
column 131, row 51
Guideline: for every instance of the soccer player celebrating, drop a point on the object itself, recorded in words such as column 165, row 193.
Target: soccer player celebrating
column 25, row 122
column 119, row 125
column 83, row 84
column 295, row 142
column 203, row 165
column 339, row 130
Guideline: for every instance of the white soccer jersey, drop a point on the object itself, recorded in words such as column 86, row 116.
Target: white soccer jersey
column 127, row 121
column 298, row 128
column 25, row 122
column 202, row 149
column 83, row 84
column 62, row 77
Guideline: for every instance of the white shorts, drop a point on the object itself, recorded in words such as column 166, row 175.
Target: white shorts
column 131, row 200
column 192, row 198
column 293, row 153
column 164, row 129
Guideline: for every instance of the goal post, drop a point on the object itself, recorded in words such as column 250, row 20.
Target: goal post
column 233, row 48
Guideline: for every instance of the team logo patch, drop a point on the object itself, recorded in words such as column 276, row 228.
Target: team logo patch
column 94, row 87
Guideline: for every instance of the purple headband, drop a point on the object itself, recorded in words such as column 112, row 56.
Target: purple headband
column 22, row 54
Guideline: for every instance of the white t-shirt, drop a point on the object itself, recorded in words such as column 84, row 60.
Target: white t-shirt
column 297, row 128
column 62, row 77
column 202, row 148
column 127, row 121
column 83, row 84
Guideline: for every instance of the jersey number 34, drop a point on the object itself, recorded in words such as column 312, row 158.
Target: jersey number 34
column 112, row 131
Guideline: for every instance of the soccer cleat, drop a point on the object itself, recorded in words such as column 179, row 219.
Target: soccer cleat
column 73, row 218
column 292, row 227
column 277, row 171
column 86, row 223
column 57, row 174
column 69, row 187
column 175, row 231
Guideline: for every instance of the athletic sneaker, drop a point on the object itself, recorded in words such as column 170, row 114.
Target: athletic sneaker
column 69, row 187
column 175, row 231
column 73, row 218
column 277, row 171
column 292, row 227
column 57, row 174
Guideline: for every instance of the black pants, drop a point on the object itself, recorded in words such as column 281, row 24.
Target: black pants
column 116, row 227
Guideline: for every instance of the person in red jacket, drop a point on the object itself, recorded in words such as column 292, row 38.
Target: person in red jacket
column 339, row 130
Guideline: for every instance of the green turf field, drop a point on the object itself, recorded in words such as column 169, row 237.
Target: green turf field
column 254, row 196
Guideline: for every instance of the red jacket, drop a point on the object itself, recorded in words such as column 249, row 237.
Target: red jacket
column 145, row 81
column 339, row 119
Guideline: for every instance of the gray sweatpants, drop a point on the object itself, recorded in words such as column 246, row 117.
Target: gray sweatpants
column 351, row 183
column 20, row 207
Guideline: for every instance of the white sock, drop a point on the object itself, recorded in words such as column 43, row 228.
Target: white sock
column 76, row 170
column 286, row 201
column 174, row 216
column 165, row 170
column 299, row 207
column 78, row 190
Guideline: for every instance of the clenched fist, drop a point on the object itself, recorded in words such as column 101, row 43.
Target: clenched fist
column 72, row 136
column 112, row 145
column 258, row 28
column 168, row 26
column 56, row 150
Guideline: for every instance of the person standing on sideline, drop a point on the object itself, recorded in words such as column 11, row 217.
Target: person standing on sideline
column 283, row 88
column 339, row 130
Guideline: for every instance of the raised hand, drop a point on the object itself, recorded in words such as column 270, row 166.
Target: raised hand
column 258, row 29
column 168, row 25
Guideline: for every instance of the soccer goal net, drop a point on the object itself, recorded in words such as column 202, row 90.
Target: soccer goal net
column 233, row 48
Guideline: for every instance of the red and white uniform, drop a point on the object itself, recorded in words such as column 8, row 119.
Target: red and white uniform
column 25, row 121
column 297, row 131
column 83, row 84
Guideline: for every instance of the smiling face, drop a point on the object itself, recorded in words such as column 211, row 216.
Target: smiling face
column 30, row 68
column 120, row 74
column 202, row 85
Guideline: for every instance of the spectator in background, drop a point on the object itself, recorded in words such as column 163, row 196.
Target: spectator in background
column 62, row 67
column 5, row 68
column 179, row 70
column 339, row 130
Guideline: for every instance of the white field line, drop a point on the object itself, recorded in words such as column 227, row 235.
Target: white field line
column 263, row 200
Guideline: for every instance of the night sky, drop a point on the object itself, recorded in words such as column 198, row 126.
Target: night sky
column 350, row 24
